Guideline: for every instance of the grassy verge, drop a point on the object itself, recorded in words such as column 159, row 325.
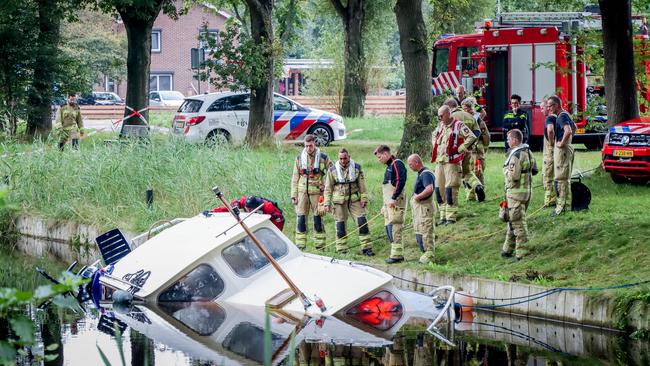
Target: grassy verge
column 161, row 118
column 105, row 185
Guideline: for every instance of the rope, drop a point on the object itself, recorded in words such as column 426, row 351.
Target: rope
column 531, row 297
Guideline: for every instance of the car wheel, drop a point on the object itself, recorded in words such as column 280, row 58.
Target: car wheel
column 323, row 134
column 217, row 137
column 619, row 179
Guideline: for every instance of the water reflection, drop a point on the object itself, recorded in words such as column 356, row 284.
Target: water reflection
column 217, row 334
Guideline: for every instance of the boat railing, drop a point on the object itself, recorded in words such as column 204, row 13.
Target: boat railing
column 155, row 229
column 447, row 311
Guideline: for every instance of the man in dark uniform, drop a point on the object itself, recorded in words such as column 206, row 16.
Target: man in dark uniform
column 422, row 207
column 515, row 118
column 562, row 154
column 394, row 201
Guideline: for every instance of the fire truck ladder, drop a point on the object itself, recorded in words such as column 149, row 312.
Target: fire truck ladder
column 565, row 21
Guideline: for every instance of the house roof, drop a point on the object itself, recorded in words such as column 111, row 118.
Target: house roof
column 218, row 11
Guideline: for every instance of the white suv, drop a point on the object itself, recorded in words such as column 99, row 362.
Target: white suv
column 223, row 117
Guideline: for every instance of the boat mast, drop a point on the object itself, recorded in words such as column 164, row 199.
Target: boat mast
column 305, row 301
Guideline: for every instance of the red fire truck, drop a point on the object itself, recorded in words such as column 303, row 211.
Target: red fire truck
column 529, row 54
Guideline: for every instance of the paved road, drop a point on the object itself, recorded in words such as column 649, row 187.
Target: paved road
column 107, row 125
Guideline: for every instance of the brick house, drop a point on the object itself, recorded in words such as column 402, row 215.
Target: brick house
column 171, row 42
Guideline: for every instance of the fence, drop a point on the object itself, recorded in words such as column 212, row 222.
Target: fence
column 375, row 106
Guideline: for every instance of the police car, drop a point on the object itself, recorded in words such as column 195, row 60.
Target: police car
column 626, row 152
column 223, row 118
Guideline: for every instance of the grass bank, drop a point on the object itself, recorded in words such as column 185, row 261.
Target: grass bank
column 104, row 185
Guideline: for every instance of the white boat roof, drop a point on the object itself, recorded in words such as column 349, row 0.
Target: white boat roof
column 181, row 245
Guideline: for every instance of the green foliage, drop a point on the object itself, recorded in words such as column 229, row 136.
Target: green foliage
column 91, row 50
column 455, row 16
column 288, row 20
column 19, row 328
column 235, row 61
column 17, row 49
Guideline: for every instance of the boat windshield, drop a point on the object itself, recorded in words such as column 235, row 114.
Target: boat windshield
column 200, row 284
column 246, row 259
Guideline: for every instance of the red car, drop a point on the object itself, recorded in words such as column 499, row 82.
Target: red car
column 626, row 153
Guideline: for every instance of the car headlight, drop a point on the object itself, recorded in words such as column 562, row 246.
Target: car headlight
column 607, row 138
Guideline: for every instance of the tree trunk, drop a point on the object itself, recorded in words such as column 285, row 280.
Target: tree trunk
column 260, row 118
column 354, row 88
column 39, row 120
column 138, row 32
column 621, row 92
column 417, row 72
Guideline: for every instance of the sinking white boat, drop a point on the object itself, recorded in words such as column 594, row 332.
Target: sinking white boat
column 249, row 263
column 234, row 335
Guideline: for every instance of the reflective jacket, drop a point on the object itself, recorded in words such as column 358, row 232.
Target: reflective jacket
column 341, row 187
column 306, row 176
column 268, row 208
column 451, row 142
column 518, row 172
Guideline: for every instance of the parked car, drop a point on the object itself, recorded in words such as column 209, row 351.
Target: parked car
column 85, row 99
column 107, row 98
column 626, row 153
column 223, row 117
column 166, row 98
column 99, row 98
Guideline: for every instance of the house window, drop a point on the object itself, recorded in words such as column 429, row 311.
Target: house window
column 156, row 40
column 160, row 82
column 213, row 33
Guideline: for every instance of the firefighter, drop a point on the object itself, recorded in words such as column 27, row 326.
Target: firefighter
column 518, row 171
column 346, row 194
column 562, row 154
column 249, row 203
column 461, row 95
column 394, row 201
column 548, row 175
column 69, row 123
column 478, row 154
column 470, row 181
column 515, row 118
column 423, row 208
column 451, row 141
column 307, row 184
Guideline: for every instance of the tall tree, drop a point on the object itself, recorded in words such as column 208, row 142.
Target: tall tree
column 138, row 17
column 17, row 49
column 415, row 47
column 247, row 60
column 618, row 51
column 39, row 121
column 260, row 120
column 354, row 91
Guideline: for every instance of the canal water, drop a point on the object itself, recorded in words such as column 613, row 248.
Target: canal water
column 213, row 334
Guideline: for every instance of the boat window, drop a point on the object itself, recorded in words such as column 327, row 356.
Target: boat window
column 245, row 258
column 203, row 317
column 247, row 340
column 200, row 284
